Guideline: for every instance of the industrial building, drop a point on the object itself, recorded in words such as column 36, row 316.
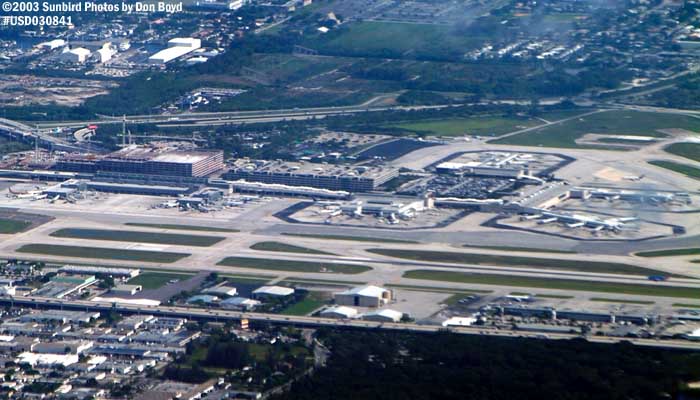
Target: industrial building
column 339, row 312
column 78, row 55
column 147, row 160
column 239, row 303
column 177, row 48
column 61, row 286
column 271, row 291
column 126, row 290
column 52, row 44
column 104, row 271
column 383, row 316
column 221, row 290
column 364, row 296
column 325, row 176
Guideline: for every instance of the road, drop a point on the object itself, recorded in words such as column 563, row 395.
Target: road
column 241, row 116
column 21, row 130
column 41, row 130
column 223, row 315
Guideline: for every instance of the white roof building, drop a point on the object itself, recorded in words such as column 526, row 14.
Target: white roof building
column 105, row 54
column 273, row 291
column 47, row 359
column 364, row 296
column 77, row 55
column 222, row 290
column 52, row 44
column 369, row 291
column 459, row 321
column 339, row 312
column 185, row 42
column 177, row 48
column 385, row 315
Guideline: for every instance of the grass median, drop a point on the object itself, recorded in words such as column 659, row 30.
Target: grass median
column 102, row 253
column 555, row 284
column 9, row 226
column 515, row 261
column 350, row 238
column 521, row 249
column 290, row 265
column 155, row 280
column 624, row 301
column 670, row 252
column 684, row 169
column 311, row 302
column 286, row 248
column 182, row 227
column 138, row 237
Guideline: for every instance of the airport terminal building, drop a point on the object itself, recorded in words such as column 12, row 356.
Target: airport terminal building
column 325, row 176
column 148, row 160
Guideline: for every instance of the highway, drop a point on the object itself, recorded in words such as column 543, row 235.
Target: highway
column 21, row 130
column 231, row 117
column 224, row 315
column 42, row 130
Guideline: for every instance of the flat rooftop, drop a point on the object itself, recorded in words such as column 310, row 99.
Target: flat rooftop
column 306, row 168
column 159, row 154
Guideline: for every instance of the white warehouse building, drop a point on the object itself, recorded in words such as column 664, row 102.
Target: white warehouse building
column 77, row 55
column 339, row 312
column 364, row 296
column 177, row 48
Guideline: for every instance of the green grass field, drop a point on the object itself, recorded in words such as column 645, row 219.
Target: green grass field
column 285, row 248
column 434, row 289
column 350, row 238
column 155, row 280
column 478, row 126
column 333, row 282
column 610, row 122
column 690, row 151
column 9, row 226
column 523, row 249
column 102, row 253
column 311, row 302
column 296, row 266
column 514, row 261
column 393, row 40
column 554, row 284
column 182, row 227
column 138, row 237
column 544, row 296
column 684, row 169
column 670, row 252
column 686, row 305
column 624, row 301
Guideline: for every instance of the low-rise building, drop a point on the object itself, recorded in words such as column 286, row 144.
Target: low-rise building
column 340, row 312
column 272, row 291
column 385, row 315
column 239, row 303
column 364, row 296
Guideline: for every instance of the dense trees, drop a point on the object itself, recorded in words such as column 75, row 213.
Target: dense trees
column 378, row 365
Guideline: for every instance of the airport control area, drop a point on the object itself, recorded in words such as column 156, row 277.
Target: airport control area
column 472, row 235
column 342, row 199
